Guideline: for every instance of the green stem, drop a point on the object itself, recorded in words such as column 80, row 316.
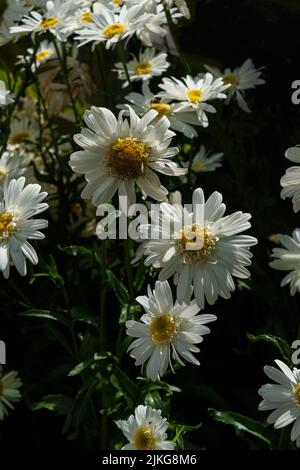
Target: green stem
column 63, row 62
column 182, row 58
column 102, row 68
column 103, row 297
column 284, row 438
column 128, row 268
column 122, row 56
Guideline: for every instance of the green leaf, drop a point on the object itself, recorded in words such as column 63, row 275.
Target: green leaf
column 83, row 400
column 82, row 314
column 279, row 343
column 45, row 314
column 58, row 403
column 124, row 385
column 243, row 423
column 129, row 312
column 119, row 289
column 52, row 273
column 155, row 400
column 75, row 250
column 85, row 364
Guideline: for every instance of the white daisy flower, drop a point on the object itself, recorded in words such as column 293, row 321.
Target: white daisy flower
column 11, row 14
column 194, row 94
column 112, row 4
column 205, row 161
column 291, row 180
column 179, row 121
column 111, row 26
column 181, row 5
column 240, row 79
column 52, row 20
column 117, row 154
column 166, row 330
column 22, row 130
column 9, row 392
column 156, row 26
column 146, row 430
column 10, row 167
column 288, row 259
column 45, row 51
column 283, row 397
column 6, row 97
column 148, row 64
column 201, row 247
column 19, row 205
column 78, row 20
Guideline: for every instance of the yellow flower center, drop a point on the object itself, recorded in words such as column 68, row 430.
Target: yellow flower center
column 19, row 137
column 297, row 393
column 163, row 328
column 127, row 157
column 117, row 3
column 48, row 22
column 7, row 225
column 198, row 166
column 194, row 95
column 114, row 29
column 230, row 79
column 43, row 55
column 86, row 17
column 3, row 171
column 144, row 439
column 196, row 243
column 163, row 109
column 143, row 68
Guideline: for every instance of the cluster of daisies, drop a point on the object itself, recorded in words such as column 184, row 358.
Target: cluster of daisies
column 283, row 397
column 200, row 251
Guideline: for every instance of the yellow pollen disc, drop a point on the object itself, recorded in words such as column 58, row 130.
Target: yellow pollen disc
column 3, row 172
column 19, row 137
column 163, row 328
column 48, row 23
column 230, row 79
column 117, row 3
column 42, row 55
column 297, row 393
column 198, row 166
column 7, row 226
column 127, row 157
column 196, row 243
column 143, row 68
column 86, row 17
column 144, row 439
column 114, row 29
column 194, row 95
column 163, row 109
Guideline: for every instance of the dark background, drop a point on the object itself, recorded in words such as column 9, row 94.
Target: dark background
column 223, row 33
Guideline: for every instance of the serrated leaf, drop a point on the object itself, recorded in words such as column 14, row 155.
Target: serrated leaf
column 45, row 314
column 278, row 342
column 119, row 289
column 243, row 423
column 85, row 364
column 58, row 403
